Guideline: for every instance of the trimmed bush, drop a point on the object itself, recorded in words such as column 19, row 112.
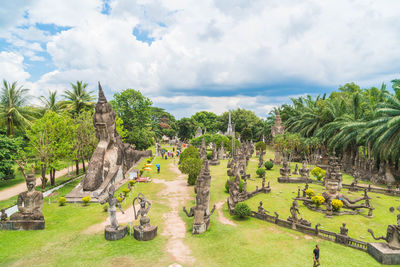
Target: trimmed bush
column 119, row 199
column 261, row 145
column 337, row 204
column 268, row 165
column 310, row 192
column 62, row 201
column 86, row 200
column 105, row 207
column 318, row 173
column 318, row 200
column 242, row 210
column 241, row 184
column 260, row 172
column 125, row 191
column 141, row 171
column 131, row 182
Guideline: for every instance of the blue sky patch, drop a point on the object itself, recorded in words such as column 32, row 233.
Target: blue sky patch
column 51, row 28
column 143, row 35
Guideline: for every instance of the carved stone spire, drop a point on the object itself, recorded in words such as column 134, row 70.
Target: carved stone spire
column 102, row 98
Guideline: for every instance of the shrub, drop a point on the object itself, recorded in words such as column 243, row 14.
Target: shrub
column 86, row 200
column 337, row 204
column 192, row 167
column 310, row 192
column 209, row 155
column 141, row 171
column 268, row 165
column 241, row 185
column 242, row 210
column 318, row 173
column 261, row 145
column 125, row 191
column 131, row 182
column 318, row 200
column 62, row 201
column 190, row 152
column 260, row 172
column 119, row 199
column 105, row 207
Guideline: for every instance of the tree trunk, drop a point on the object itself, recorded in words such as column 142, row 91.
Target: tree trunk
column 52, row 176
column 43, row 177
column 77, row 166
column 83, row 165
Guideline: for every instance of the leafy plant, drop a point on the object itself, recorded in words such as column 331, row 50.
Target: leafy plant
column 241, row 185
column 131, row 182
column 209, row 155
column 242, row 210
column 268, row 165
column 119, row 199
column 86, row 200
column 62, row 201
column 318, row 200
column 337, row 204
column 192, row 167
column 310, row 192
column 125, row 191
column 260, row 172
column 261, row 145
column 318, row 173
column 105, row 207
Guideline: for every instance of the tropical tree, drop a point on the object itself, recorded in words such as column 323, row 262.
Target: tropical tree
column 78, row 99
column 51, row 103
column 13, row 109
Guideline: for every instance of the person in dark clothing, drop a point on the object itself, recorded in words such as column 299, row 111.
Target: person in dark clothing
column 316, row 256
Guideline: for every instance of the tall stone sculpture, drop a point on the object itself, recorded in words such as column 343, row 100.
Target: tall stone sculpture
column 221, row 152
column 29, row 215
column 201, row 212
column 199, row 132
column 203, row 150
column 111, row 158
column 214, row 161
column 230, row 130
column 275, row 130
column 261, row 159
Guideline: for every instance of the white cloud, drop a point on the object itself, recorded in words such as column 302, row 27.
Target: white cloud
column 12, row 68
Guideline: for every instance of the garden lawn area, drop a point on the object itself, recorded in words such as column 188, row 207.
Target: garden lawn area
column 251, row 242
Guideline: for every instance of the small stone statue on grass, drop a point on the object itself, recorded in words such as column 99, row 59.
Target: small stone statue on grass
column 113, row 231
column 261, row 209
column 144, row 231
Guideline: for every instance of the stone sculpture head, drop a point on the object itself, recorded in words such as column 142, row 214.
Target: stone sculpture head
column 332, row 186
column 30, row 182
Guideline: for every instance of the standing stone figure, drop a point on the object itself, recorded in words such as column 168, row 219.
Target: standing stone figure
column 275, row 130
column 344, row 230
column 214, row 161
column 113, row 231
column 144, row 231
column 304, row 171
column 294, row 210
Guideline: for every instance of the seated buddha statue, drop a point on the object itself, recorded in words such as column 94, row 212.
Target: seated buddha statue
column 29, row 203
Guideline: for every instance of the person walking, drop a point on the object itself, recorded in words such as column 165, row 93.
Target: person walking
column 158, row 167
column 316, row 256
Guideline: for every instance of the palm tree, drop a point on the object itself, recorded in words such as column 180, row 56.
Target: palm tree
column 78, row 99
column 51, row 103
column 13, row 111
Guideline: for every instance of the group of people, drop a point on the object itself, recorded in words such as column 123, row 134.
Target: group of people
column 170, row 154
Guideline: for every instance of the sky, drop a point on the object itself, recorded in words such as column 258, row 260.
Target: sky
column 192, row 55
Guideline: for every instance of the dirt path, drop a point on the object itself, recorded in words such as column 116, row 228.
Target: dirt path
column 16, row 189
column 176, row 192
column 222, row 219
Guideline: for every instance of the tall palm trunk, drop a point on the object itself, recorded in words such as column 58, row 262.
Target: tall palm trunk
column 77, row 166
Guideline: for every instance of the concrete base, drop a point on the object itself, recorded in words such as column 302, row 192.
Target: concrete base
column 112, row 234
column 294, row 180
column 201, row 228
column 22, row 225
column 384, row 254
column 148, row 233
column 213, row 162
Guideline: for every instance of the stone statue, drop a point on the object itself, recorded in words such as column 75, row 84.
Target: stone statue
column 294, row 210
column 203, row 150
column 221, row 152
column 304, row 171
column 261, row 209
column 214, row 161
column 261, row 159
column 201, row 212
column 199, row 132
column 332, row 187
column 275, row 130
column 113, row 231
column 111, row 159
column 29, row 203
column 3, row 215
column 144, row 231
column 392, row 234
column 343, row 229
column 285, row 170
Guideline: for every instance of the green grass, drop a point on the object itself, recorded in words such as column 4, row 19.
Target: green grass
column 251, row 243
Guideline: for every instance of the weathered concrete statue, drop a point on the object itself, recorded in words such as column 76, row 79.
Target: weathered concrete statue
column 113, row 231
column 275, row 130
column 389, row 252
column 29, row 215
column 261, row 159
column 203, row 150
column 285, row 170
column 214, row 161
column 304, row 171
column 144, row 231
column 111, row 159
column 221, row 152
column 201, row 212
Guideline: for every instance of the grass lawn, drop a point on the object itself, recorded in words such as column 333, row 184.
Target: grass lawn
column 251, row 242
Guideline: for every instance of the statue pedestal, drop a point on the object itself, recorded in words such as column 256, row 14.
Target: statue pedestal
column 22, row 225
column 145, row 234
column 201, row 228
column 213, row 162
column 112, row 234
column 294, row 180
column 384, row 254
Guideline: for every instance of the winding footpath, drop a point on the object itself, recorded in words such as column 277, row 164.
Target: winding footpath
column 177, row 192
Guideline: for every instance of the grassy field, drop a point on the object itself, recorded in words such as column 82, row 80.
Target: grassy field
column 250, row 243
